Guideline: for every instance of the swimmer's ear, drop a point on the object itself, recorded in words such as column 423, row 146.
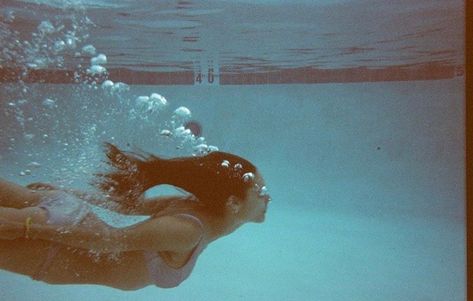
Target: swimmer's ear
column 233, row 204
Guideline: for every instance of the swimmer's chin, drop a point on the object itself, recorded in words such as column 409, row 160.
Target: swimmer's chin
column 260, row 219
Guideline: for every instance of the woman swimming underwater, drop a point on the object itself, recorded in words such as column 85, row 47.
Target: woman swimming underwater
column 48, row 234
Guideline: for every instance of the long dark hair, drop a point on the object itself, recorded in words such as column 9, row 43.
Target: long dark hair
column 211, row 178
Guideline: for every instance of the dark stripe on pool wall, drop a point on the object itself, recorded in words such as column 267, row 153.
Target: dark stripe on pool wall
column 119, row 75
column 227, row 77
column 346, row 75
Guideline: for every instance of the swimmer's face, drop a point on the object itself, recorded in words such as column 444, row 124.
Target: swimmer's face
column 257, row 199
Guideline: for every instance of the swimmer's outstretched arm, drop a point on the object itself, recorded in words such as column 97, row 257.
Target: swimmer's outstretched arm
column 16, row 196
column 168, row 233
column 150, row 206
column 142, row 206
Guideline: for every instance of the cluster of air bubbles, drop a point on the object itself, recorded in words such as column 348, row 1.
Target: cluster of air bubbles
column 45, row 27
column 236, row 170
column 25, row 172
column 93, row 72
column 203, row 149
column 16, row 108
column 114, row 88
column 182, row 132
column 100, row 59
column 182, row 135
column 179, row 116
column 96, row 64
column 52, row 42
column 96, row 70
column 28, row 170
column 150, row 104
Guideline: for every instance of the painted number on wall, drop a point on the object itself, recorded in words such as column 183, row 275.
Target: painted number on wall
column 208, row 77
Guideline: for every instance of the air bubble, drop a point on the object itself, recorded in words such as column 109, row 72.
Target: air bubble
column 28, row 136
column 88, row 49
column 142, row 101
column 34, row 164
column 159, row 99
column 45, row 27
column 21, row 102
column 166, row 133
column 247, row 177
column 49, row 103
column 96, row 69
column 201, row 148
column 108, row 84
column 120, row 87
column 25, row 172
column 59, row 46
column 99, row 59
column 71, row 43
column 40, row 62
column 182, row 113
column 182, row 132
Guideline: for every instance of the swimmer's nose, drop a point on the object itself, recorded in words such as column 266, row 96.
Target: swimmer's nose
column 267, row 199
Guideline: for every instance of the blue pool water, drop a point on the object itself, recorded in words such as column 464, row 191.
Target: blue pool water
column 367, row 179
column 348, row 220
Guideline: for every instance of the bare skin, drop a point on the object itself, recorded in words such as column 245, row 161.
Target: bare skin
column 117, row 259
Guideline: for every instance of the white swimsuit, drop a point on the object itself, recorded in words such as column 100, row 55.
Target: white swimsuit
column 63, row 209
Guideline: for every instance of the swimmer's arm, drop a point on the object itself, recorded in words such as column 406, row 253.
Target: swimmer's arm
column 91, row 198
column 143, row 206
column 140, row 206
column 167, row 233
column 10, row 218
column 9, row 230
column 150, row 206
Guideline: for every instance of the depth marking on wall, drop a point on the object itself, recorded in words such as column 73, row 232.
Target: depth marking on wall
column 206, row 73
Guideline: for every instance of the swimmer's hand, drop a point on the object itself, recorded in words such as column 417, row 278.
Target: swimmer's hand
column 41, row 186
column 10, row 230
